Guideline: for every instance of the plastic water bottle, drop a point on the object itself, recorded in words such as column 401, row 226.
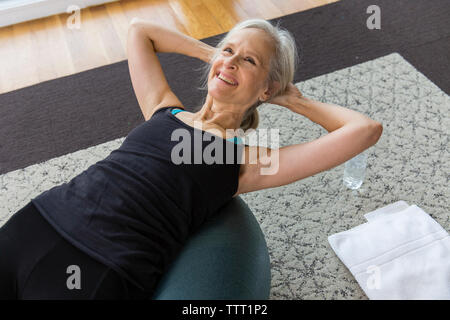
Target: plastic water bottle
column 355, row 171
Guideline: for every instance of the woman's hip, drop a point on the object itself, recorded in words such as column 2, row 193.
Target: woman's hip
column 38, row 263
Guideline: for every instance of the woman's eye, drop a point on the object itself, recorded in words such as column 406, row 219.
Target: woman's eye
column 249, row 59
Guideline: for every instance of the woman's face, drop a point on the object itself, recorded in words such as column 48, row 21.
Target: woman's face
column 244, row 60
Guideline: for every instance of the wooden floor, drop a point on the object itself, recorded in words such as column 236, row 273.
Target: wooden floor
column 47, row 48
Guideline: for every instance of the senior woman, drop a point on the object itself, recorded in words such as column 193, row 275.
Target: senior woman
column 122, row 221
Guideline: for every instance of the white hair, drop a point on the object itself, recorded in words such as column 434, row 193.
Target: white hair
column 282, row 67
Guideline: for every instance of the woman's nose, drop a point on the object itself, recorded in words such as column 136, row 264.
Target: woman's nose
column 230, row 62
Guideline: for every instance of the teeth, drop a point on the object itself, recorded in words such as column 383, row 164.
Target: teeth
column 225, row 79
column 220, row 76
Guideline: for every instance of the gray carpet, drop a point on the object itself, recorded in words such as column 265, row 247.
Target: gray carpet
column 410, row 162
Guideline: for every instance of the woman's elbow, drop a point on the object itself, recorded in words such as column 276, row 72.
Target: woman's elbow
column 134, row 21
column 376, row 130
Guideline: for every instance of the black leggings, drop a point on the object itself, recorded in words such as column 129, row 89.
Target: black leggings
column 37, row 263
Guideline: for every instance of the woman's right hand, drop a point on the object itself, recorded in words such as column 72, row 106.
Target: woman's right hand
column 205, row 52
column 212, row 51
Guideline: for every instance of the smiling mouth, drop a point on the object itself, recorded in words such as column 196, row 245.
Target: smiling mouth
column 224, row 79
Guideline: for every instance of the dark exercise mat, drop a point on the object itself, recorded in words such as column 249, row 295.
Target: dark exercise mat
column 75, row 112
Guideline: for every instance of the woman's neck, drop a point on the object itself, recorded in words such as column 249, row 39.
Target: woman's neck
column 219, row 116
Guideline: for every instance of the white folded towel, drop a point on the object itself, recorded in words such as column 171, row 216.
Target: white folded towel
column 400, row 253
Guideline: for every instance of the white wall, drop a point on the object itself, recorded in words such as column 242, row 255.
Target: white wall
column 16, row 11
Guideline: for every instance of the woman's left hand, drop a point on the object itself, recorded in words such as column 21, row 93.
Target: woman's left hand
column 285, row 99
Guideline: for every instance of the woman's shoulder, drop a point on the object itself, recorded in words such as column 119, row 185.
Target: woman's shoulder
column 172, row 109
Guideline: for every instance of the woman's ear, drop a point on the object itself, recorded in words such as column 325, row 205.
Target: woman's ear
column 272, row 89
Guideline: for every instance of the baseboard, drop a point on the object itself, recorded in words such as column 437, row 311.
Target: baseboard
column 17, row 11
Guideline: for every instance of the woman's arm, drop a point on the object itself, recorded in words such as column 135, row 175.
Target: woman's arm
column 350, row 133
column 149, row 82
column 168, row 40
column 330, row 116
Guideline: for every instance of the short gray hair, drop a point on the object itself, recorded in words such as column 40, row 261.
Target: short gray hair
column 283, row 63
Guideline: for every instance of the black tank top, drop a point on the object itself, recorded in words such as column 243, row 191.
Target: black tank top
column 134, row 210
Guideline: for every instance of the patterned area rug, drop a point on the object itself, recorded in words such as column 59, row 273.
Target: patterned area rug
column 409, row 162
